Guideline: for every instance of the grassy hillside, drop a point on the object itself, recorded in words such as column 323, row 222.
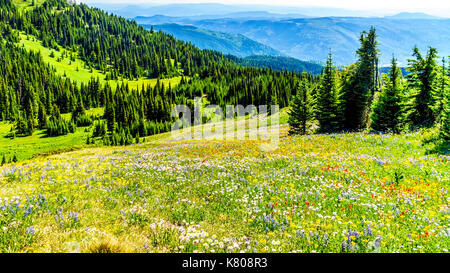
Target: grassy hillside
column 321, row 193
column 77, row 70
column 27, row 4
column 38, row 144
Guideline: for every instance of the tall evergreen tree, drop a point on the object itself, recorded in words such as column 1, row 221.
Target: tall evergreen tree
column 361, row 83
column 42, row 116
column 327, row 99
column 79, row 110
column 302, row 112
column 422, row 84
column 387, row 111
column 440, row 90
column 444, row 129
column 110, row 116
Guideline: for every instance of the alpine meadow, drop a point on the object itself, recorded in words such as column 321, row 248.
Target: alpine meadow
column 117, row 137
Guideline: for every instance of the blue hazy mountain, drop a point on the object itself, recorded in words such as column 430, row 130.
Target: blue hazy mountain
column 219, row 10
column 412, row 15
column 233, row 44
column 312, row 38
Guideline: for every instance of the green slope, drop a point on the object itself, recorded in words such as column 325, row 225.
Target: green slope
column 27, row 4
column 77, row 70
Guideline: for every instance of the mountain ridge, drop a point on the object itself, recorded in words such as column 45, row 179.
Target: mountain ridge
column 234, row 44
column 311, row 39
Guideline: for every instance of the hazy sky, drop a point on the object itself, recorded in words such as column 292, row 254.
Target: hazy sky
column 436, row 7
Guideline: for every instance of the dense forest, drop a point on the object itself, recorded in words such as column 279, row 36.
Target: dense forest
column 349, row 99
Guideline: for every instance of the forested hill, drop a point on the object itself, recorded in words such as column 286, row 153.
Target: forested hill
column 280, row 63
column 107, row 42
column 34, row 95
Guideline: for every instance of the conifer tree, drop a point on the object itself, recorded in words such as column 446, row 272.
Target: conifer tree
column 422, row 84
column 79, row 110
column 440, row 90
column 444, row 130
column 110, row 116
column 327, row 100
column 21, row 125
column 387, row 111
column 42, row 116
column 361, row 83
column 273, row 102
column 302, row 112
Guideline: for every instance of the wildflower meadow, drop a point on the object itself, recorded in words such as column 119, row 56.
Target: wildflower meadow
column 352, row 193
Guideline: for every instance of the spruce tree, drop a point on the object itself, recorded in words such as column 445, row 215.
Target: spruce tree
column 302, row 112
column 79, row 110
column 273, row 102
column 387, row 111
column 442, row 85
column 361, row 83
column 42, row 116
column 444, row 130
column 21, row 125
column 422, row 84
column 327, row 100
column 110, row 116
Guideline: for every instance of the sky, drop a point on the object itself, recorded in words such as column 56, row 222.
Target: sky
column 434, row 7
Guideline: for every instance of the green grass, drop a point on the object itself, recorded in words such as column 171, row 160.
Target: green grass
column 74, row 70
column 26, row 147
column 27, row 4
column 77, row 70
column 38, row 144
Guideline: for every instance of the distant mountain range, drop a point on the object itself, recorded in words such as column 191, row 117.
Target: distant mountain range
column 304, row 33
column 219, row 10
column 233, row 44
column 312, row 38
